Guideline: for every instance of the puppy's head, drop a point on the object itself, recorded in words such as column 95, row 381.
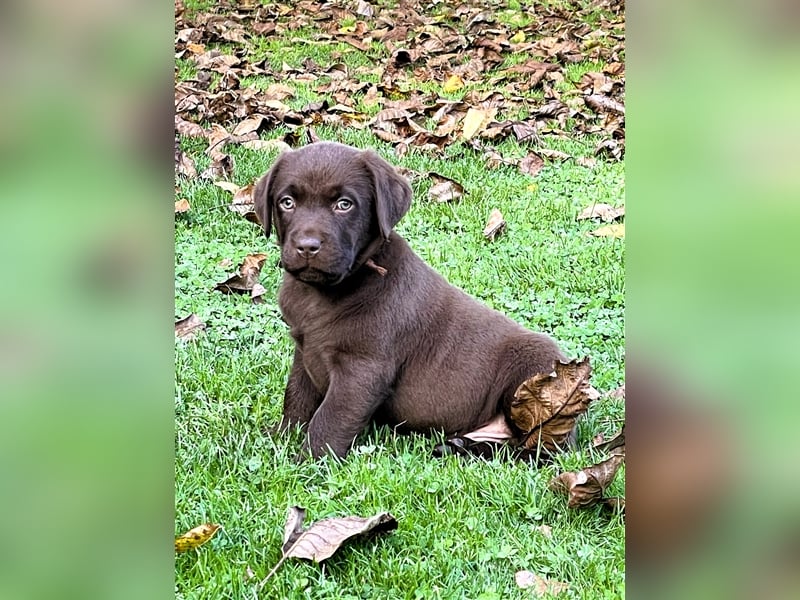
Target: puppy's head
column 328, row 204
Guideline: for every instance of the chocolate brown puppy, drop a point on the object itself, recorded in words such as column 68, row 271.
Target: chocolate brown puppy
column 378, row 333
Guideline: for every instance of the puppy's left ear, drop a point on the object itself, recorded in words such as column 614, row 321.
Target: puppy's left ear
column 264, row 202
column 392, row 192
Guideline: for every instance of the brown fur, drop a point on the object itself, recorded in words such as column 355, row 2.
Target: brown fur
column 403, row 347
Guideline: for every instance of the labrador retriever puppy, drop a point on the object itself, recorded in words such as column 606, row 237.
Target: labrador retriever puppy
column 379, row 334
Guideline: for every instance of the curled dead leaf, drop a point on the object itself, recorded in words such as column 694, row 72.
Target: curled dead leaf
column 616, row 443
column 181, row 206
column 606, row 212
column 246, row 279
column 323, row 538
column 495, row 225
column 184, row 165
column 195, row 537
column 243, row 202
column 444, row 189
column 540, row 586
column 586, row 487
column 531, row 164
column 188, row 327
column 546, row 406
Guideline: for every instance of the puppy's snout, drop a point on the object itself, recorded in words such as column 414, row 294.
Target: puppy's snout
column 308, row 246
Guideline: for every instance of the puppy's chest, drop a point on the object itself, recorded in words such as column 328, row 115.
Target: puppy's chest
column 323, row 333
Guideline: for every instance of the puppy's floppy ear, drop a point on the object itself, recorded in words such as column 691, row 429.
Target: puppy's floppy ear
column 263, row 200
column 392, row 192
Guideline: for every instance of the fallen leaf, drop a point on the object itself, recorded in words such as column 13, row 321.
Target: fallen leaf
column 257, row 292
column 187, row 328
column 244, row 204
column 323, row 538
column 364, row 9
column 185, row 166
column 196, row 537
column 181, row 206
column 600, row 103
column 444, row 189
column 540, row 586
column 606, row 212
column 476, row 121
column 617, row 230
column 243, row 282
column 614, row 443
column 586, row 487
column 495, row 226
column 531, row 164
column 546, row 406
column 188, row 128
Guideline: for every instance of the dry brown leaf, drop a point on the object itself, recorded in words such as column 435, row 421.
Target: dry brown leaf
column 243, row 202
column 495, row 225
column 540, row 586
column 606, row 212
column 187, row 328
column 323, row 538
column 266, row 145
column 195, row 537
column 188, row 128
column 616, row 230
column 546, row 406
column 616, row 443
column 586, row 487
column 243, row 282
column 600, row 103
column 444, row 189
column 181, row 206
column 249, row 125
column 185, row 165
column 531, row 164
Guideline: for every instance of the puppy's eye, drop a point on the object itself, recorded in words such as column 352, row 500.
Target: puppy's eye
column 343, row 205
column 286, row 203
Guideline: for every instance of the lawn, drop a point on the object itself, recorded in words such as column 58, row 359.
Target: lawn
column 466, row 526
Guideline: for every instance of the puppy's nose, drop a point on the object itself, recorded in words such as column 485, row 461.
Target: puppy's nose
column 308, row 246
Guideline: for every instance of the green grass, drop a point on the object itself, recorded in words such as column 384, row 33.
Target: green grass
column 465, row 526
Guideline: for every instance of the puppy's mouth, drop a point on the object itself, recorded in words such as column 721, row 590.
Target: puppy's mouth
column 313, row 275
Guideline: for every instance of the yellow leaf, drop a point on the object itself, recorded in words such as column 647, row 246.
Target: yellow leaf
column 453, row 84
column 518, row 37
column 616, row 230
column 196, row 537
column 477, row 120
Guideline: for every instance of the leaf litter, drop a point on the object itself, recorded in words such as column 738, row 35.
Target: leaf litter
column 459, row 46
